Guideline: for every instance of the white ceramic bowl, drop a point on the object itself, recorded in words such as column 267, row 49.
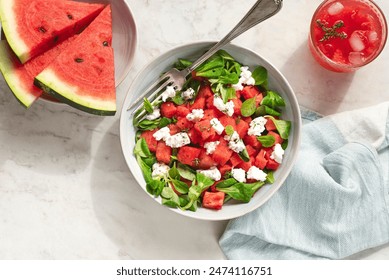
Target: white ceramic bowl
column 247, row 57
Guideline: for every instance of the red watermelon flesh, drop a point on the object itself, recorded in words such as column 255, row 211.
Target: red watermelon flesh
column 34, row 26
column 83, row 74
column 20, row 77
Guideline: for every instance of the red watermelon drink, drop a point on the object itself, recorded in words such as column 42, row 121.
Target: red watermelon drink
column 347, row 34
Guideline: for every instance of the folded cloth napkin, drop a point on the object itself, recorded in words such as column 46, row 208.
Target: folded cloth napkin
column 334, row 203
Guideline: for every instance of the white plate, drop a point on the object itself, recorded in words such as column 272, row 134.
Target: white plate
column 247, row 57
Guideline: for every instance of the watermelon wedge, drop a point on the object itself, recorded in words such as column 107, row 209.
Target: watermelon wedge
column 83, row 75
column 35, row 26
column 20, row 77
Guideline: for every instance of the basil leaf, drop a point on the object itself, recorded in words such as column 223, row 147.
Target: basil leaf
column 147, row 106
column 260, row 76
column 283, row 127
column 212, row 68
column 181, row 64
column 284, row 144
column 226, row 183
column 242, row 191
column 273, row 100
column 155, row 187
column 227, row 93
column 170, row 198
column 248, row 107
column 148, row 125
column 164, row 122
column 142, row 149
column 177, row 99
column 180, row 187
column 186, row 173
column 267, row 140
column 270, row 177
column 263, row 110
column 173, row 173
column 225, row 55
column 244, row 155
column 146, row 170
column 229, row 130
column 228, row 78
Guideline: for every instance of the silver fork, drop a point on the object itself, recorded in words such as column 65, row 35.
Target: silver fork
column 262, row 10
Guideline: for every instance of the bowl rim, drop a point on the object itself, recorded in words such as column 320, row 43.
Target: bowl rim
column 293, row 153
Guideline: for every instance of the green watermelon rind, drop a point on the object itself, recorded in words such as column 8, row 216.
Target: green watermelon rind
column 50, row 83
column 25, row 97
column 7, row 17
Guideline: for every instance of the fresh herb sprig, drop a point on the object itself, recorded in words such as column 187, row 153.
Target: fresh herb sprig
column 331, row 32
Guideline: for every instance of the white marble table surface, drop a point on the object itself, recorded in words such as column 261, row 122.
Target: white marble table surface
column 65, row 190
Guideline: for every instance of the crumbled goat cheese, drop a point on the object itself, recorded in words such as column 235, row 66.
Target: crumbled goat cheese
column 159, row 169
column 235, row 143
column 212, row 173
column 195, row 115
column 154, row 115
column 211, row 147
column 169, row 92
column 257, row 126
column 178, row 140
column 226, row 108
column 239, row 174
column 162, row 134
column 217, row 126
column 245, row 78
column 256, row 174
column 278, row 153
column 188, row 94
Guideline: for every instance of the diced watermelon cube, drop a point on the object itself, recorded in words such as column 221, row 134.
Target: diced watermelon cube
column 205, row 91
column 211, row 113
column 195, row 136
column 150, row 140
column 252, row 141
column 235, row 159
column 173, row 129
column 213, row 200
column 205, row 161
column 163, row 152
column 222, row 153
column 168, row 110
column 209, row 102
column 225, row 168
column 270, row 125
column 184, row 124
column 182, row 111
column 199, row 103
column 242, row 127
column 250, row 92
column 277, row 137
column 206, row 130
column 272, row 164
column 237, row 105
column 260, row 159
column 188, row 155
column 227, row 120
column 251, row 151
column 246, row 165
column 258, row 99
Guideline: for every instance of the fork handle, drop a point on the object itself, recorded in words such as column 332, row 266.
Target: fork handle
column 262, row 10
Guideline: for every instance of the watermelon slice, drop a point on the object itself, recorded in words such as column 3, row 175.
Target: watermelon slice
column 83, row 74
column 35, row 26
column 20, row 77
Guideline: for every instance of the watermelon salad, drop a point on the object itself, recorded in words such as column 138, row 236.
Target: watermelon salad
column 220, row 138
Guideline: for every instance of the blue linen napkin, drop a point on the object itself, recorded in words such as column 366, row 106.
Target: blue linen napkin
column 334, row 203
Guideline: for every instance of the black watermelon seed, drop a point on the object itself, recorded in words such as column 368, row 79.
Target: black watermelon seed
column 70, row 16
column 105, row 44
column 78, row 60
column 42, row 29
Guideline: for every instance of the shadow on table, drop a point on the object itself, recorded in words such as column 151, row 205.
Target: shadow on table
column 47, row 138
column 315, row 86
column 141, row 228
